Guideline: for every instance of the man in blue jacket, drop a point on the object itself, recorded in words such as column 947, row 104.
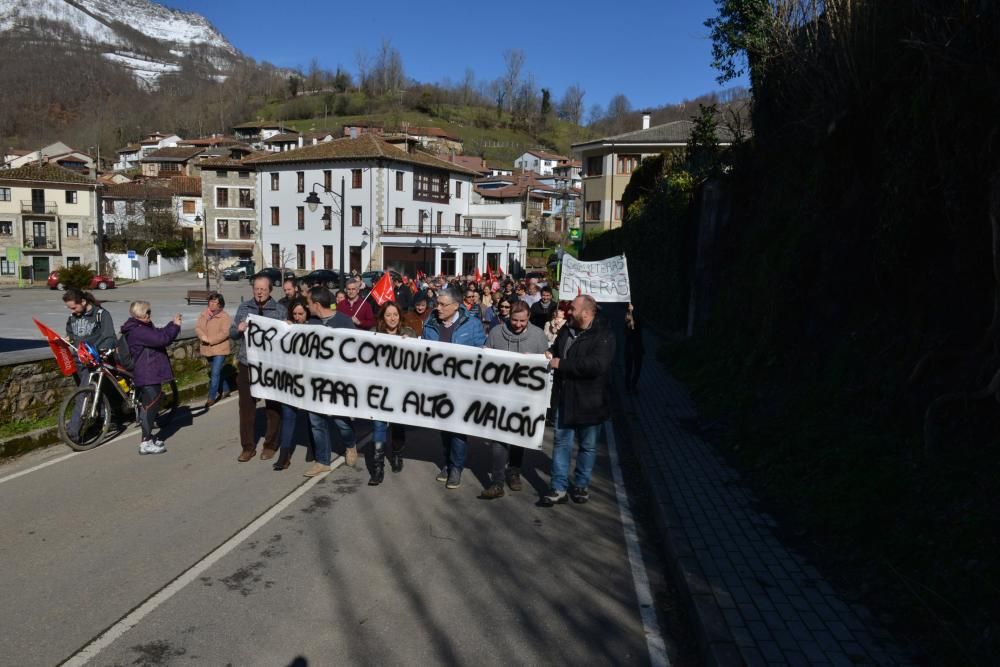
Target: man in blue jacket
column 452, row 324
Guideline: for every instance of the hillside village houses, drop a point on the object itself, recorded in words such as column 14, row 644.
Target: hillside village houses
column 608, row 164
column 540, row 162
column 403, row 209
column 413, row 201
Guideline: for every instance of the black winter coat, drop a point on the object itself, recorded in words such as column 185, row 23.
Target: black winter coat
column 583, row 379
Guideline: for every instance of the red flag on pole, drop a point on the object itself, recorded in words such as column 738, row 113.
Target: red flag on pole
column 382, row 291
column 479, row 275
column 60, row 349
column 500, row 271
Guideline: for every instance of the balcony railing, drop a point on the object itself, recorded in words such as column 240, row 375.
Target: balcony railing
column 473, row 231
column 40, row 243
column 43, row 208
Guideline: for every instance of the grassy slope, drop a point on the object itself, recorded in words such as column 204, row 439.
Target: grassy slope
column 474, row 125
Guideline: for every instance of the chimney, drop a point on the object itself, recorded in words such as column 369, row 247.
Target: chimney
column 300, row 141
column 645, row 119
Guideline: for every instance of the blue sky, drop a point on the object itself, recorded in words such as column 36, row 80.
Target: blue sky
column 655, row 52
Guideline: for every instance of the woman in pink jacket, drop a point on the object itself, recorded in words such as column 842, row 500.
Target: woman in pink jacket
column 212, row 330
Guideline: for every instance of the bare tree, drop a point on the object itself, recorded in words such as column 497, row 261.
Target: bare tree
column 468, row 85
column 571, row 105
column 314, row 76
column 513, row 60
column 362, row 61
column 619, row 109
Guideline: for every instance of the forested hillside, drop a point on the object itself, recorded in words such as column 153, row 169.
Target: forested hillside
column 74, row 94
column 850, row 361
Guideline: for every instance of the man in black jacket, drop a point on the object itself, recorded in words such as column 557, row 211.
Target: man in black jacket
column 581, row 356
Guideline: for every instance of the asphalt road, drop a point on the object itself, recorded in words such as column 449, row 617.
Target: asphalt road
column 401, row 574
column 165, row 295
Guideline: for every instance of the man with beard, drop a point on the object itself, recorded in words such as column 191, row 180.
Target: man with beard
column 516, row 334
column 581, row 356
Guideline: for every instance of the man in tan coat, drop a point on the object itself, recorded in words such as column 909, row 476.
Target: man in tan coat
column 212, row 330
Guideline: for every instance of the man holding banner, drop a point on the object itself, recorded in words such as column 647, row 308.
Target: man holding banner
column 451, row 324
column 323, row 425
column 264, row 306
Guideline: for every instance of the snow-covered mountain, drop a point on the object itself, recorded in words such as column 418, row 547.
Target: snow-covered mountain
column 142, row 36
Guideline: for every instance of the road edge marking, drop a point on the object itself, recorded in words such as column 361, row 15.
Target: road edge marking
column 655, row 645
column 132, row 619
column 39, row 466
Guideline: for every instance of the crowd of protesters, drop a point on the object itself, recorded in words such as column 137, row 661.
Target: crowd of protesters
column 498, row 313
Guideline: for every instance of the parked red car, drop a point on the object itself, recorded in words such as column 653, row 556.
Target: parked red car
column 97, row 282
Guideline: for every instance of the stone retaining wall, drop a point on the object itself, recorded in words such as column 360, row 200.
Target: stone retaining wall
column 31, row 390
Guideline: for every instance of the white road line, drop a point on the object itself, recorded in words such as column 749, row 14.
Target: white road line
column 654, row 639
column 127, row 433
column 38, row 467
column 132, row 619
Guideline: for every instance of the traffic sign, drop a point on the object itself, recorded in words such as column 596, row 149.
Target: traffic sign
column 131, row 254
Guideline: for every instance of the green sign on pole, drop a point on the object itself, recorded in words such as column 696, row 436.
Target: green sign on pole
column 14, row 257
column 574, row 234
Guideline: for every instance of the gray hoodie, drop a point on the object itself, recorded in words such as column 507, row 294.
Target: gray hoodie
column 529, row 341
column 93, row 326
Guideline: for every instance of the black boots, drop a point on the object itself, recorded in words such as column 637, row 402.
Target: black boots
column 396, row 457
column 378, row 465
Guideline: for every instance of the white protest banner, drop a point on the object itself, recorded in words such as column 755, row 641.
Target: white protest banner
column 605, row 280
column 498, row 395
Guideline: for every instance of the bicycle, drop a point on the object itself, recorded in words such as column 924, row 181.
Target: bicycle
column 109, row 391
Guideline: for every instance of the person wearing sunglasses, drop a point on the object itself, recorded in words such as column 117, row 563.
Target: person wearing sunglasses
column 148, row 346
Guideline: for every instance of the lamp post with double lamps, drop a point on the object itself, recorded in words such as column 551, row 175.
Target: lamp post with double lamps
column 204, row 249
column 313, row 201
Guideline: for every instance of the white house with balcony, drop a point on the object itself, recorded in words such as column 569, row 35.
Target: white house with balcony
column 402, row 209
column 540, row 162
column 48, row 219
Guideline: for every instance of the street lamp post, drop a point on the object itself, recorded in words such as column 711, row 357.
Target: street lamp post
column 204, row 250
column 313, row 201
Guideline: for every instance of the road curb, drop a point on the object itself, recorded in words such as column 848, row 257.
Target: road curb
column 22, row 443
column 717, row 646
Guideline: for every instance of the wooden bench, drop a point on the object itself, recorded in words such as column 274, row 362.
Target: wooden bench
column 197, row 295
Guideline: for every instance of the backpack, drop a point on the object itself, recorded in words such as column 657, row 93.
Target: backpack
column 123, row 353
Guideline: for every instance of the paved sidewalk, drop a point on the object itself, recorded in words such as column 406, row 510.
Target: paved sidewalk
column 755, row 602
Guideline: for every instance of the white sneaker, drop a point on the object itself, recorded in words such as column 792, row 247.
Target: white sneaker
column 151, row 447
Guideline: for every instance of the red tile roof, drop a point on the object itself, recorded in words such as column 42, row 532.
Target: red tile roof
column 47, row 172
column 365, row 147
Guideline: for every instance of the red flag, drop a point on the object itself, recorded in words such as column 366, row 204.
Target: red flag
column 382, row 291
column 489, row 274
column 479, row 275
column 85, row 356
column 578, row 292
column 60, row 349
column 500, row 271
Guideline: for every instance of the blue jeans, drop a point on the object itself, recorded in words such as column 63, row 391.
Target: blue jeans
column 454, row 445
column 381, row 430
column 586, row 437
column 215, row 365
column 289, row 420
column 322, row 428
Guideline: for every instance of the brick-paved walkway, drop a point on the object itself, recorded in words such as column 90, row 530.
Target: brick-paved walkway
column 755, row 601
